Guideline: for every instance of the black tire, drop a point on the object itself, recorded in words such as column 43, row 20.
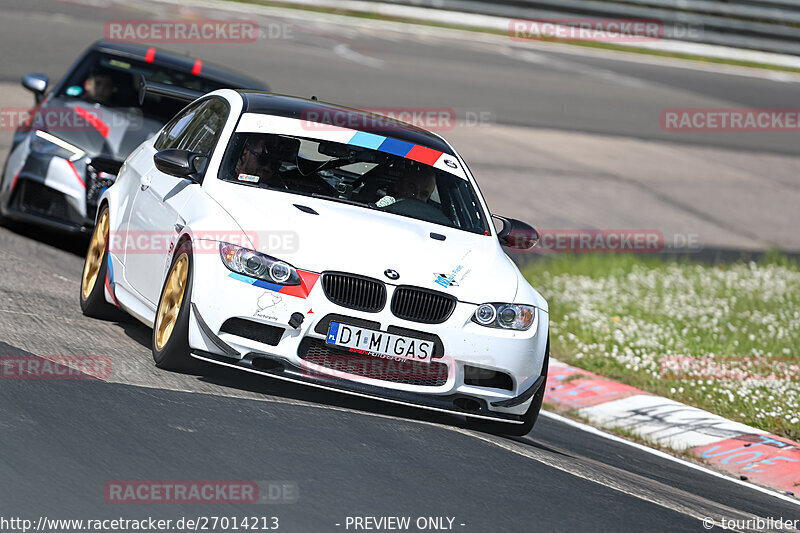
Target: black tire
column 531, row 415
column 174, row 354
column 94, row 303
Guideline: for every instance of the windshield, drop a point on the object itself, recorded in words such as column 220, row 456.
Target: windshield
column 114, row 82
column 352, row 174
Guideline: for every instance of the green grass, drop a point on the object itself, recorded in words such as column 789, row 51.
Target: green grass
column 587, row 44
column 624, row 317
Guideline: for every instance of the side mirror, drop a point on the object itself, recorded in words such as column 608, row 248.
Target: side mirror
column 516, row 234
column 36, row 83
column 179, row 163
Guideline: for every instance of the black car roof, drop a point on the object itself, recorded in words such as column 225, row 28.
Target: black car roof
column 301, row 108
column 210, row 71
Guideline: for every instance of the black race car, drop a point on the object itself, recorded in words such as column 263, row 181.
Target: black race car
column 77, row 136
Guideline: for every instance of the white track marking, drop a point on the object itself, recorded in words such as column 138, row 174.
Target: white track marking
column 658, row 453
column 345, row 52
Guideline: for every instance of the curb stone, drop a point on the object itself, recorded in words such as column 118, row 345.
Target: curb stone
column 735, row 448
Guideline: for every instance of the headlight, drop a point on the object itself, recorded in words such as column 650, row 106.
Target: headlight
column 505, row 316
column 257, row 265
column 46, row 143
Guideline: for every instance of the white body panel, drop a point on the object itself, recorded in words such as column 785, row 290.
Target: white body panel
column 341, row 238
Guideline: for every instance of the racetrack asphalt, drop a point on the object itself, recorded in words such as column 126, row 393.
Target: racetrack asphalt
column 63, row 440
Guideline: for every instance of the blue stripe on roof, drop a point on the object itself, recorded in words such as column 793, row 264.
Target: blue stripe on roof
column 393, row 146
column 367, row 140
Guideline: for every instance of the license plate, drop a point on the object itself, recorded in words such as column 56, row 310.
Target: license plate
column 379, row 343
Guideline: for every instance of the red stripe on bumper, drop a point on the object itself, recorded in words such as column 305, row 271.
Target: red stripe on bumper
column 77, row 174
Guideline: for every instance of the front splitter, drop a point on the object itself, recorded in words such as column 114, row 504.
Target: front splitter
column 279, row 368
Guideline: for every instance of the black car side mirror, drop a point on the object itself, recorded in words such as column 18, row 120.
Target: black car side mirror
column 516, row 234
column 35, row 83
column 180, row 163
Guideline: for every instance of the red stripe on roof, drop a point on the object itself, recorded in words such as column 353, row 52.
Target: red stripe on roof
column 424, row 154
column 77, row 174
column 94, row 120
column 150, row 56
column 197, row 68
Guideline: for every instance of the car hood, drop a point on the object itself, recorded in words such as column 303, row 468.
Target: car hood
column 108, row 132
column 346, row 238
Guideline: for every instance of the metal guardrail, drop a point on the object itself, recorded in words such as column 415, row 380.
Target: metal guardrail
column 768, row 25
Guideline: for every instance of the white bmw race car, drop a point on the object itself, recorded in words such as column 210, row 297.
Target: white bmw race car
column 255, row 231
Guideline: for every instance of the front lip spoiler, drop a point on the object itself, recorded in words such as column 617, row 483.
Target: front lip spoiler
column 522, row 398
column 219, row 343
column 13, row 213
column 281, row 368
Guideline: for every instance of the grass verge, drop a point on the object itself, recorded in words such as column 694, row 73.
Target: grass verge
column 723, row 338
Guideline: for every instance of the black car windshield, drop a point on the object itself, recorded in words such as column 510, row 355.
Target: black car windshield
column 114, row 82
column 355, row 175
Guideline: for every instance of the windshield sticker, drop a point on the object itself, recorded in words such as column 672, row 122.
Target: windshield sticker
column 253, row 123
column 248, row 178
column 120, row 64
column 74, row 90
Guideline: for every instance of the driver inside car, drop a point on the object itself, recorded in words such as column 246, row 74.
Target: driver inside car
column 99, row 87
column 417, row 184
column 256, row 164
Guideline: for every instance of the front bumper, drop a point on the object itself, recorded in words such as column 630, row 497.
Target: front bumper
column 279, row 368
column 54, row 192
column 462, row 346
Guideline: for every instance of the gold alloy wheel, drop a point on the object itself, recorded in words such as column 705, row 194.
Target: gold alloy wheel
column 171, row 300
column 94, row 257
